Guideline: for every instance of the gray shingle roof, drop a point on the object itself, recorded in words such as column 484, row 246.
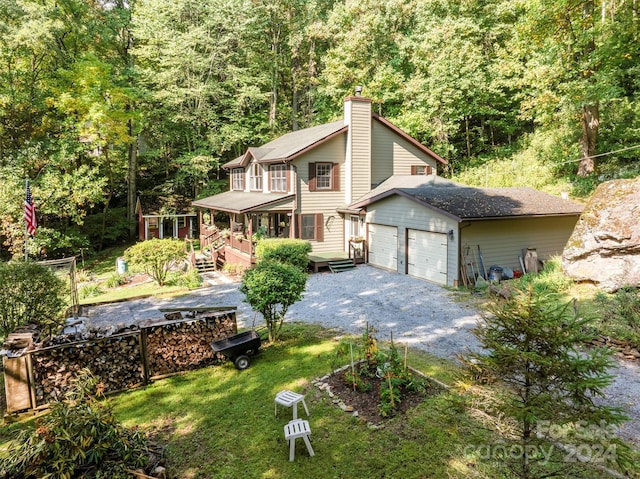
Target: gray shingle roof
column 469, row 203
column 290, row 144
column 240, row 201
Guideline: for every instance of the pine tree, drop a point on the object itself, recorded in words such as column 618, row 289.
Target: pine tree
column 534, row 345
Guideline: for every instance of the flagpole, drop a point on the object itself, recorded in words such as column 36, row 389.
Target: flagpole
column 26, row 227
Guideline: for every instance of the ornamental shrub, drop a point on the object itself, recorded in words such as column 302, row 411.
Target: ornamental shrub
column 156, row 257
column 284, row 250
column 270, row 288
column 80, row 437
column 30, row 294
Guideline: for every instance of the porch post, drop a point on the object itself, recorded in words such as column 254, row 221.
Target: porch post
column 250, row 216
column 146, row 229
column 160, row 227
column 176, row 234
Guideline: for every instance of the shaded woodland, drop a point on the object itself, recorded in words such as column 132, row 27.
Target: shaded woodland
column 101, row 99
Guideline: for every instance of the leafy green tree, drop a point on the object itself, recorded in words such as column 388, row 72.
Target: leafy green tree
column 270, row 288
column 156, row 257
column 535, row 345
column 204, row 100
column 30, row 294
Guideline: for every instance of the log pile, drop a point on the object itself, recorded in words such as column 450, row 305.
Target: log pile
column 186, row 344
column 122, row 360
column 116, row 360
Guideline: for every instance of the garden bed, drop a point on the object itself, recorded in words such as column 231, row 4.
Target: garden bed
column 366, row 402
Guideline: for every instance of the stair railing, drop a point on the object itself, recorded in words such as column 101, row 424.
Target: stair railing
column 191, row 252
column 358, row 250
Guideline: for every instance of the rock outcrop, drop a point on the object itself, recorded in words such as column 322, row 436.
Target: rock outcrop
column 605, row 245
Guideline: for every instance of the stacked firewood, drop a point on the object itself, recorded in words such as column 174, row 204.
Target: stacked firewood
column 116, row 360
column 126, row 359
column 186, row 344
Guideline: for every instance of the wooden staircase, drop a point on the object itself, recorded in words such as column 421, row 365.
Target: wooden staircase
column 340, row 265
column 205, row 264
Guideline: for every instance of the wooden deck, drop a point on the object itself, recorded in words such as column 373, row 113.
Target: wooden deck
column 321, row 260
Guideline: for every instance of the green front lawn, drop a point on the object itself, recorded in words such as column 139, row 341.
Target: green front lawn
column 94, row 281
column 219, row 422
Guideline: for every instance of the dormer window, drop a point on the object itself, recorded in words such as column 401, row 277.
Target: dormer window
column 237, row 179
column 255, row 177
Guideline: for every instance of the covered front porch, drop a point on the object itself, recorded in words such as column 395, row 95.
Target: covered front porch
column 231, row 223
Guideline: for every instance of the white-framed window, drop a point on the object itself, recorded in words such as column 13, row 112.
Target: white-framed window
column 308, row 227
column 323, row 176
column 278, row 178
column 356, row 226
column 237, row 179
column 255, row 177
column 421, row 169
column 182, row 221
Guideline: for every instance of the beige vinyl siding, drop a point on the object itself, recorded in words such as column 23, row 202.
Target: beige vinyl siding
column 393, row 155
column 360, row 134
column 381, row 153
column 287, row 207
column 407, row 214
column 325, row 202
column 502, row 241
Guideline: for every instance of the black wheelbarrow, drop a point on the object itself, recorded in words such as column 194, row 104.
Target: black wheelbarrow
column 238, row 347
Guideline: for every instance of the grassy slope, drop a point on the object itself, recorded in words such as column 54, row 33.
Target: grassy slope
column 101, row 267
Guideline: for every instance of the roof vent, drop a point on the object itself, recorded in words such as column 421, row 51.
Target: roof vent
column 358, row 90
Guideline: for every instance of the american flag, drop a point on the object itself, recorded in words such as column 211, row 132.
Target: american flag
column 29, row 212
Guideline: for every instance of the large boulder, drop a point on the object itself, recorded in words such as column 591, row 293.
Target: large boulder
column 605, row 245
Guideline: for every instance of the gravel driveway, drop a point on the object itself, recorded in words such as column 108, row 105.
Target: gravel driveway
column 417, row 312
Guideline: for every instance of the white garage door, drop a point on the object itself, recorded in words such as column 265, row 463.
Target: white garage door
column 383, row 246
column 427, row 255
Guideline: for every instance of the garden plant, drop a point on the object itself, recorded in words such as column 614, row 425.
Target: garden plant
column 156, row 257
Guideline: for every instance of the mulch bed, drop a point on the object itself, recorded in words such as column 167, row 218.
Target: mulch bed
column 366, row 403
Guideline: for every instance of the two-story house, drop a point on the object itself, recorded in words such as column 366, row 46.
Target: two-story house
column 362, row 186
column 301, row 184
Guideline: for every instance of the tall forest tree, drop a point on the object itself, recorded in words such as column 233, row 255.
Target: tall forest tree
column 204, row 99
column 574, row 53
column 61, row 114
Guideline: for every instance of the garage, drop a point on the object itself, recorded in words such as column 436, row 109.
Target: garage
column 383, row 246
column 427, row 255
column 432, row 220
